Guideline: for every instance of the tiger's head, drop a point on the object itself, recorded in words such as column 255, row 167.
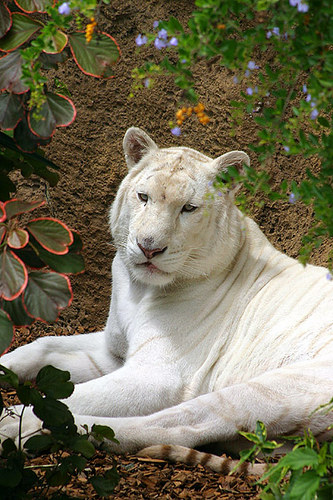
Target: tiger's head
column 164, row 225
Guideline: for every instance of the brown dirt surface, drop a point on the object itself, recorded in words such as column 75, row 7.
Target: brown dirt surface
column 90, row 156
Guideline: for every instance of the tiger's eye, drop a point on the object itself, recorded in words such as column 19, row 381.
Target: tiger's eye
column 143, row 197
column 188, row 208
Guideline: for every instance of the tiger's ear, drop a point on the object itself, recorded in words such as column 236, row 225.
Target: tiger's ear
column 233, row 158
column 136, row 145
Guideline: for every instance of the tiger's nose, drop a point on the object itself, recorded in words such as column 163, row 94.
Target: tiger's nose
column 150, row 253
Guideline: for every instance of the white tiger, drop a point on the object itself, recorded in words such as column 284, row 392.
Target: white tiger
column 210, row 328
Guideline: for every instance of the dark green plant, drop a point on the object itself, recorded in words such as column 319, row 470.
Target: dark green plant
column 28, row 291
column 290, row 98
column 71, row 450
column 304, row 473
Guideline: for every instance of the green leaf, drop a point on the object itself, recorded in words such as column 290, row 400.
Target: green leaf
column 5, row 19
column 11, row 110
column 29, row 257
column 36, row 160
column 305, row 486
column 99, row 432
column 16, row 207
column 27, row 394
column 299, row 458
column 22, row 29
column 8, row 377
column 17, row 238
column 17, row 312
column 82, row 445
column 57, row 477
column 52, row 412
column 11, row 72
column 57, row 42
column 13, row 275
column 45, row 294
column 97, row 57
column 51, row 234
column 26, row 140
column 70, row 263
column 324, row 122
column 39, row 443
column 3, row 230
column 34, row 5
column 6, row 331
column 10, row 478
column 54, row 382
column 104, row 486
column 51, row 61
column 57, row 111
column 8, row 446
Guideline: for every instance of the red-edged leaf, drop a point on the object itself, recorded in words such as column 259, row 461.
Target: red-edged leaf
column 13, row 275
column 2, row 232
column 5, row 19
column 16, row 207
column 6, row 331
column 26, row 140
column 11, row 72
column 3, row 215
column 52, row 234
column 51, row 61
column 70, row 263
column 56, row 43
column 22, row 29
column 34, row 5
column 18, row 238
column 11, row 110
column 45, row 294
column 29, row 257
column 16, row 312
column 57, row 111
column 97, row 57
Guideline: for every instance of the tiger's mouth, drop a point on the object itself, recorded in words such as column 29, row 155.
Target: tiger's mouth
column 150, row 266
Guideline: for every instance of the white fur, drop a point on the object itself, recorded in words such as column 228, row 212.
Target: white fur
column 218, row 331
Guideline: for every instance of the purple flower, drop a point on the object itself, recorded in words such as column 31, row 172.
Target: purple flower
column 276, row 30
column 247, row 72
column 219, row 193
column 141, row 40
column 176, row 131
column 155, row 24
column 329, row 276
column 293, row 3
column 305, row 89
column 256, row 89
column 286, row 148
column 183, row 61
column 249, row 90
column 235, row 79
column 314, row 114
column 64, row 9
column 173, row 42
column 252, row 65
column 292, row 198
column 163, row 34
column 268, row 34
column 160, row 44
column 308, row 98
column 313, row 103
column 146, row 82
column 302, row 7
